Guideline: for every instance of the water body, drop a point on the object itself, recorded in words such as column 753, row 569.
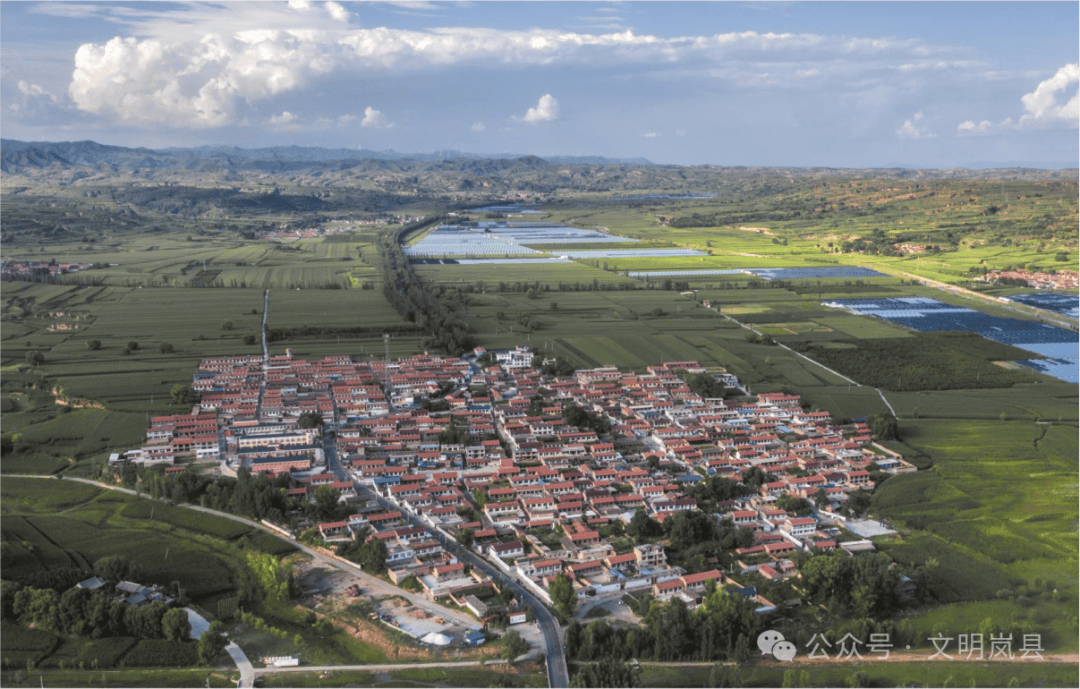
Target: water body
column 1060, row 346
column 1058, row 302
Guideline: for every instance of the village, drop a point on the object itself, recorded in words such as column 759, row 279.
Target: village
column 481, row 451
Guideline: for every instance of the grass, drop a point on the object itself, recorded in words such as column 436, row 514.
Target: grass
column 172, row 547
column 525, row 676
column 120, row 678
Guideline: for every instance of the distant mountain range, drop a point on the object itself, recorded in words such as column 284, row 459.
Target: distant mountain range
column 93, row 153
column 457, row 170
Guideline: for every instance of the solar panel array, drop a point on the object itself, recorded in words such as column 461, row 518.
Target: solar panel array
column 682, row 273
column 930, row 315
column 1065, row 304
column 506, row 261
column 457, row 241
column 631, row 253
column 809, row 273
column 502, row 239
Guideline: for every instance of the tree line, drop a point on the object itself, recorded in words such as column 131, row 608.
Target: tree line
column 417, row 304
column 723, row 627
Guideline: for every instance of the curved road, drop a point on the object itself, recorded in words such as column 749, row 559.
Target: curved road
column 247, row 672
column 558, row 673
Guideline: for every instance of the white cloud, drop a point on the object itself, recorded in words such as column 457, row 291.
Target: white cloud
column 546, row 110
column 35, row 91
column 973, row 128
column 915, row 128
column 299, row 5
column 284, row 118
column 650, row 135
column 206, row 65
column 478, row 127
column 337, row 12
column 1042, row 107
column 375, row 119
column 35, row 103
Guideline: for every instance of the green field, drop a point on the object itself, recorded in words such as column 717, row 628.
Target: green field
column 992, row 509
column 58, row 524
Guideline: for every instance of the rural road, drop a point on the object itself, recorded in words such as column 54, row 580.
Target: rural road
column 377, row 668
column 558, row 672
column 247, row 672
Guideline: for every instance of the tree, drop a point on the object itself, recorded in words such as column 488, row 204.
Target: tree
column 571, row 639
column 249, row 339
column 184, row 394
column 793, row 505
column 859, row 501
column 175, row 625
column 374, row 557
column 642, row 527
column 514, row 646
column 723, row 676
column 212, row 642
column 310, row 419
column 821, row 500
column 116, row 568
column 226, row 325
column 133, row 346
column 326, row 503
column 884, row 427
column 93, row 345
column 166, row 348
column 563, row 596
column 35, row 358
column 465, row 537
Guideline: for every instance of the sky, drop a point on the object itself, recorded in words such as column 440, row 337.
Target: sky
column 849, row 84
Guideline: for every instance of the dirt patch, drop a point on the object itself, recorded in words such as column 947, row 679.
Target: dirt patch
column 759, row 230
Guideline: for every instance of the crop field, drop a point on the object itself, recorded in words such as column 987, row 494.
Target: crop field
column 929, row 315
column 502, row 276
column 856, row 326
column 176, row 544
column 994, row 504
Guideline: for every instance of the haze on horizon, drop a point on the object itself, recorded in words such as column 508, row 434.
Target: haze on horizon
column 862, row 84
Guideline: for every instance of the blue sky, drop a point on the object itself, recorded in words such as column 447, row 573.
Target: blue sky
column 854, row 84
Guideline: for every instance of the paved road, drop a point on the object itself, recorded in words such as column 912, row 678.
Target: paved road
column 558, row 674
column 376, row 668
column 247, row 672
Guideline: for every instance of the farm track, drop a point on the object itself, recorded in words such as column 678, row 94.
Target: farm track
column 820, row 365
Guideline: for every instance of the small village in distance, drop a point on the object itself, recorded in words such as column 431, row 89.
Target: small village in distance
column 545, row 471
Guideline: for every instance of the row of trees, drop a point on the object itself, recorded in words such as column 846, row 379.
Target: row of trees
column 248, row 495
column 722, row 628
column 403, row 289
column 94, row 614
